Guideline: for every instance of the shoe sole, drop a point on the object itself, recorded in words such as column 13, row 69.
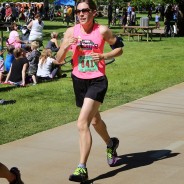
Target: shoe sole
column 79, row 181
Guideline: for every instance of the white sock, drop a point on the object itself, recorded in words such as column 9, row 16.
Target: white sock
column 82, row 166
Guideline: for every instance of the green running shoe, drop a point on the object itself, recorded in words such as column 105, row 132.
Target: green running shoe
column 79, row 175
column 111, row 152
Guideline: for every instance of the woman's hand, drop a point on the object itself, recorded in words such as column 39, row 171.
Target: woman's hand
column 97, row 56
column 23, row 84
column 71, row 41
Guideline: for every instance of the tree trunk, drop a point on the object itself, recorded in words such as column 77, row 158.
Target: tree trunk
column 46, row 8
column 181, row 19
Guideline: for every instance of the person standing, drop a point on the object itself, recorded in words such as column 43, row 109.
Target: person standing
column 8, row 15
column 129, row 13
column 157, row 20
column 168, row 19
column 14, row 12
column 3, row 12
column 68, row 15
column 124, row 17
column 64, row 13
column 110, row 11
column 36, row 27
column 133, row 17
column 86, row 40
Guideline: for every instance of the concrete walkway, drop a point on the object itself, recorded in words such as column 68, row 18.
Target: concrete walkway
column 151, row 133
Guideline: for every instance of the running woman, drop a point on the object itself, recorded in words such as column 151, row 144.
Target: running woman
column 86, row 40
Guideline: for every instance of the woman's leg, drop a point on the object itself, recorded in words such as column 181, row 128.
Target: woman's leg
column 87, row 113
column 1, row 77
column 100, row 127
column 5, row 173
column 34, row 79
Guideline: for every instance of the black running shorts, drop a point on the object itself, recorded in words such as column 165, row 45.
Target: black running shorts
column 89, row 88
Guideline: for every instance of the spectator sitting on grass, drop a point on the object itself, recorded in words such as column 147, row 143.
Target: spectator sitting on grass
column 1, row 64
column 14, row 38
column 53, row 44
column 17, row 73
column 33, row 58
column 9, row 58
column 45, row 66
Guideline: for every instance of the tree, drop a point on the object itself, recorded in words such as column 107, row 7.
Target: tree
column 181, row 18
column 46, row 8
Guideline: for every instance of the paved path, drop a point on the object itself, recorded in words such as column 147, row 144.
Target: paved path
column 151, row 133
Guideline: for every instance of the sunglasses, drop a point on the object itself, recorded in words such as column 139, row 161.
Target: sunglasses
column 84, row 11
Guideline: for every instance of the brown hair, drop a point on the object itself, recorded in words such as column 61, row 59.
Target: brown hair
column 91, row 3
column 54, row 35
column 35, row 44
column 37, row 16
column 10, row 49
column 18, row 52
column 44, row 55
column 13, row 26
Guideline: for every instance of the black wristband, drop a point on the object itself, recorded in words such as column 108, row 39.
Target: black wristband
column 119, row 43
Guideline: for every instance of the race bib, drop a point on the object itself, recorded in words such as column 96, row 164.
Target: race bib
column 87, row 64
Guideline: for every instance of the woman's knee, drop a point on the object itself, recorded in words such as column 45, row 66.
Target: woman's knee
column 82, row 125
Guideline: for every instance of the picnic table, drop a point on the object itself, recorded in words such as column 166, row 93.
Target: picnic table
column 139, row 31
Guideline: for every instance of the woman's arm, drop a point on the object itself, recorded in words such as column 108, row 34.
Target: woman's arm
column 8, row 76
column 56, row 43
column 68, row 40
column 30, row 25
column 24, row 73
column 111, row 40
column 58, row 63
column 19, row 40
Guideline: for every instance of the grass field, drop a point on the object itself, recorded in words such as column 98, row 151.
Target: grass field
column 143, row 69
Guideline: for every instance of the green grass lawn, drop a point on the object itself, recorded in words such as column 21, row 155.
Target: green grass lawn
column 143, row 69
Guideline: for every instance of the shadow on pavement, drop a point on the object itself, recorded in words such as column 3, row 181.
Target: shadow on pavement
column 134, row 160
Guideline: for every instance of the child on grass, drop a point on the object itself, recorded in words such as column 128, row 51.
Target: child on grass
column 33, row 58
column 9, row 58
column 45, row 66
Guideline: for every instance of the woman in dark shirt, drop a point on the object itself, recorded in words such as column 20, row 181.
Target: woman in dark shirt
column 53, row 44
column 17, row 73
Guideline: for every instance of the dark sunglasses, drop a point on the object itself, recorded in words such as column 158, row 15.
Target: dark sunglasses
column 84, row 11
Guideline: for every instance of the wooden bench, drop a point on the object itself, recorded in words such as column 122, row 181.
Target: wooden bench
column 139, row 35
column 157, row 34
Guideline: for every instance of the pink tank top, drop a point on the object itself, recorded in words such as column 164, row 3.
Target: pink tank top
column 83, row 65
